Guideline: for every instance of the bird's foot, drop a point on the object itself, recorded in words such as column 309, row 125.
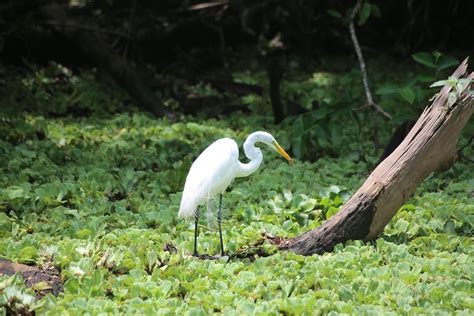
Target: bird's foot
column 205, row 256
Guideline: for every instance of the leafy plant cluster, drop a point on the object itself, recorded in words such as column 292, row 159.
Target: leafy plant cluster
column 335, row 98
column 415, row 91
column 98, row 197
column 57, row 90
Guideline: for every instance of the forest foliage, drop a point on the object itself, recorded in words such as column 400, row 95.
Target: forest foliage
column 97, row 197
column 90, row 180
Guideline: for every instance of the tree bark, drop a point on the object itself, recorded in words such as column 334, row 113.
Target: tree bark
column 275, row 73
column 430, row 144
column 102, row 55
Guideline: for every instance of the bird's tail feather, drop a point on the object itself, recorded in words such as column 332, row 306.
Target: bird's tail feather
column 187, row 209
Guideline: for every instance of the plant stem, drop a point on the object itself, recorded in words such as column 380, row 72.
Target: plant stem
column 360, row 57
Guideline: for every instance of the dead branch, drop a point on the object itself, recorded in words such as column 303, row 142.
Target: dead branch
column 360, row 57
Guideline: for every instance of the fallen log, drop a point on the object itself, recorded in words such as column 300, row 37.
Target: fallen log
column 429, row 146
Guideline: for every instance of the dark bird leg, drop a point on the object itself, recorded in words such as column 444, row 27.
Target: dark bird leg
column 196, row 232
column 219, row 222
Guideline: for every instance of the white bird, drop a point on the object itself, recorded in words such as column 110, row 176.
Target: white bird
column 215, row 169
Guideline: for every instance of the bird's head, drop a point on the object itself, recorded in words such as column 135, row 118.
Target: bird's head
column 270, row 141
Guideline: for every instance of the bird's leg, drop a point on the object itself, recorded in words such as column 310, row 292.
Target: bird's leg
column 196, row 232
column 219, row 222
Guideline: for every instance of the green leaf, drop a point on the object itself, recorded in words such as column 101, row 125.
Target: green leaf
column 375, row 10
column 300, row 218
column 425, row 78
column 447, row 62
column 40, row 286
column 364, row 13
column 407, row 94
column 462, row 84
column 409, row 207
column 334, row 14
column 5, row 223
column 28, row 254
column 297, row 147
column 331, row 211
column 439, row 83
column 334, row 189
column 83, row 233
column 401, row 225
column 14, row 192
column 336, row 135
column 452, row 98
column 449, row 227
column 424, row 58
column 321, row 113
column 298, row 142
column 463, row 285
column 322, row 136
column 388, row 89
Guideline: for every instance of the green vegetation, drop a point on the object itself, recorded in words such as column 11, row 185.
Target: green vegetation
column 97, row 195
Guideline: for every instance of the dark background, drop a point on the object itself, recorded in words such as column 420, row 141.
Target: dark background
column 127, row 43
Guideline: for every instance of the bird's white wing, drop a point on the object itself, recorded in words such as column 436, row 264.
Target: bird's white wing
column 210, row 174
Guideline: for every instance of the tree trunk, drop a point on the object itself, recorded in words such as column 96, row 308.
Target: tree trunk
column 275, row 73
column 430, row 144
column 102, row 55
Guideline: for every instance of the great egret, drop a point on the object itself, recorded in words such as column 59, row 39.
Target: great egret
column 215, row 169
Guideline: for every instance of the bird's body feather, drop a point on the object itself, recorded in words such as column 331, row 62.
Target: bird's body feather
column 210, row 174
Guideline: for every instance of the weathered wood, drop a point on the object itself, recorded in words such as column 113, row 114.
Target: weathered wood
column 430, row 144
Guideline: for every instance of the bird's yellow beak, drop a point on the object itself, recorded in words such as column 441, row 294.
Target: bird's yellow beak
column 282, row 151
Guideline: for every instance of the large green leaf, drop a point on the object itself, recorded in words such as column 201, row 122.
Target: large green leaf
column 364, row 13
column 447, row 62
column 334, row 14
column 14, row 192
column 375, row 10
column 298, row 142
column 387, row 89
column 424, row 58
column 407, row 94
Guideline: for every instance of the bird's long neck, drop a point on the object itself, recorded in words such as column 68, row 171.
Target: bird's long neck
column 254, row 154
